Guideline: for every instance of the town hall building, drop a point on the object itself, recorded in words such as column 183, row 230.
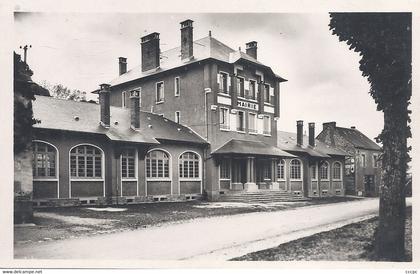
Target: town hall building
column 196, row 121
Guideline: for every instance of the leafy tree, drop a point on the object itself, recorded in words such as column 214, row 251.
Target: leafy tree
column 24, row 90
column 384, row 43
column 62, row 92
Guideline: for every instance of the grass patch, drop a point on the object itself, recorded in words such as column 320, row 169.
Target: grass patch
column 352, row 242
column 69, row 222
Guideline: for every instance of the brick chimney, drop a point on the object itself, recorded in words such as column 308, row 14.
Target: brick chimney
column 329, row 124
column 311, row 134
column 186, row 39
column 104, row 96
column 122, row 64
column 299, row 126
column 150, row 52
column 135, row 109
column 251, row 49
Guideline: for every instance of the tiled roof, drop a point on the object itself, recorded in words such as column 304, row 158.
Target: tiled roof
column 358, row 139
column 204, row 48
column 84, row 117
column 244, row 147
column 288, row 141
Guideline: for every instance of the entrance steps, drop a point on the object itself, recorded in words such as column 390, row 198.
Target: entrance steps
column 261, row 196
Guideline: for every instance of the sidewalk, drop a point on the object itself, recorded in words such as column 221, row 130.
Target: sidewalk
column 217, row 238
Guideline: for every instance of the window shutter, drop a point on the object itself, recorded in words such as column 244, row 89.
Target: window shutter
column 233, row 121
column 271, row 91
column 260, row 125
column 228, row 83
column 246, row 85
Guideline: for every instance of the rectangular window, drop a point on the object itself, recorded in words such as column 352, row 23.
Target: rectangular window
column 267, row 125
column 224, row 118
column 280, row 170
column 363, row 159
column 252, row 90
column 241, row 87
column 267, row 93
column 177, row 117
column 267, row 171
column 375, row 160
column 177, row 86
column 123, row 99
column 252, row 123
column 314, row 172
column 160, row 92
column 128, row 164
column 225, row 169
column 240, row 121
column 223, row 82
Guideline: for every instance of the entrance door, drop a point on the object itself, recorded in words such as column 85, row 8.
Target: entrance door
column 239, row 171
column 369, row 185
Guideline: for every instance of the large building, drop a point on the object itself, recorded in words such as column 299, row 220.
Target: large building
column 199, row 120
column 362, row 170
column 226, row 96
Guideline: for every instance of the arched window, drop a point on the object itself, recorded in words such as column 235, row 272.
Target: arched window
column 86, row 162
column 337, row 171
column 323, row 171
column 280, row 170
column 295, row 169
column 189, row 165
column 44, row 160
column 157, row 164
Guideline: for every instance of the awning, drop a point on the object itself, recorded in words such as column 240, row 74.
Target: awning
column 242, row 147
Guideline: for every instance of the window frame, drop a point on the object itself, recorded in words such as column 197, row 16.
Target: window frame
column 363, row 160
column 240, row 87
column 178, row 117
column 224, row 126
column 254, row 130
column 57, row 169
column 300, row 170
column 87, row 178
column 135, row 164
column 340, row 173
column 199, row 178
column 311, row 170
column 222, row 88
column 328, row 171
column 177, row 88
column 162, row 99
column 265, row 132
column 248, row 96
column 281, row 163
column 123, row 99
column 375, row 160
column 169, row 178
column 229, row 169
column 238, row 119
column 267, row 99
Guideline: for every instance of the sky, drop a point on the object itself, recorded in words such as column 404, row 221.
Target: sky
column 81, row 50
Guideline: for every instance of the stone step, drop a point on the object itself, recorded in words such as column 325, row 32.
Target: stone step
column 261, row 197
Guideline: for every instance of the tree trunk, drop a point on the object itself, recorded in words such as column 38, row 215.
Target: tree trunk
column 389, row 244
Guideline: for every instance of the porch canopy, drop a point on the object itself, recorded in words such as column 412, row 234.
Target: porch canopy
column 244, row 147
